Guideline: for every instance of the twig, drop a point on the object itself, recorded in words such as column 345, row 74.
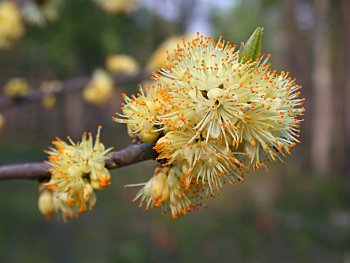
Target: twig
column 67, row 86
column 134, row 153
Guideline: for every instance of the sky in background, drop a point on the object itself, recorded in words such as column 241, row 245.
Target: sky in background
column 200, row 20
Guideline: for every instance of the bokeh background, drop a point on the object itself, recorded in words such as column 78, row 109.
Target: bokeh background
column 298, row 212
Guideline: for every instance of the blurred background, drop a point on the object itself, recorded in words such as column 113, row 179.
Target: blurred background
column 298, row 212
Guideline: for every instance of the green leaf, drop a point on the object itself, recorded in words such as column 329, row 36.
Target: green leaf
column 251, row 49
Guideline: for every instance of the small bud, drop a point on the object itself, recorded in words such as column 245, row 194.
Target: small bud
column 159, row 190
column 149, row 136
column 45, row 203
column 251, row 49
column 102, row 181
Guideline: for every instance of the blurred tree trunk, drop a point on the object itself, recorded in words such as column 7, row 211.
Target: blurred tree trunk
column 291, row 36
column 321, row 138
column 296, row 60
column 346, row 99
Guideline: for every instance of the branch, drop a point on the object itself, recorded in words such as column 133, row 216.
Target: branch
column 134, row 153
column 67, row 86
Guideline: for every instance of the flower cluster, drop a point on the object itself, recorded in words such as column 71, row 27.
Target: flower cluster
column 118, row 6
column 11, row 27
column 165, row 190
column 212, row 113
column 76, row 170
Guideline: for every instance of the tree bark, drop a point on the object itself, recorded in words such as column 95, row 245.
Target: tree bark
column 322, row 108
column 134, row 153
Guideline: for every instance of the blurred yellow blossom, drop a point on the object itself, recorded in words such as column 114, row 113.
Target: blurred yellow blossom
column 100, row 88
column 122, row 64
column 11, row 27
column 48, row 101
column 118, row 6
column 45, row 203
column 163, row 51
column 17, row 88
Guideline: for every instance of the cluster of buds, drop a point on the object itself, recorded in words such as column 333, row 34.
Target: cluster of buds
column 76, row 170
column 213, row 112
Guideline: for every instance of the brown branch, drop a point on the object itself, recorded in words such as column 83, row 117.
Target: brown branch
column 134, row 153
column 66, row 86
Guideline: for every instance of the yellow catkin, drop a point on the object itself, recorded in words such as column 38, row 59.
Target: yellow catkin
column 216, row 116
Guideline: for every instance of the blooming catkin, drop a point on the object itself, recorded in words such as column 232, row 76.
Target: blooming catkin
column 212, row 113
column 76, row 170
